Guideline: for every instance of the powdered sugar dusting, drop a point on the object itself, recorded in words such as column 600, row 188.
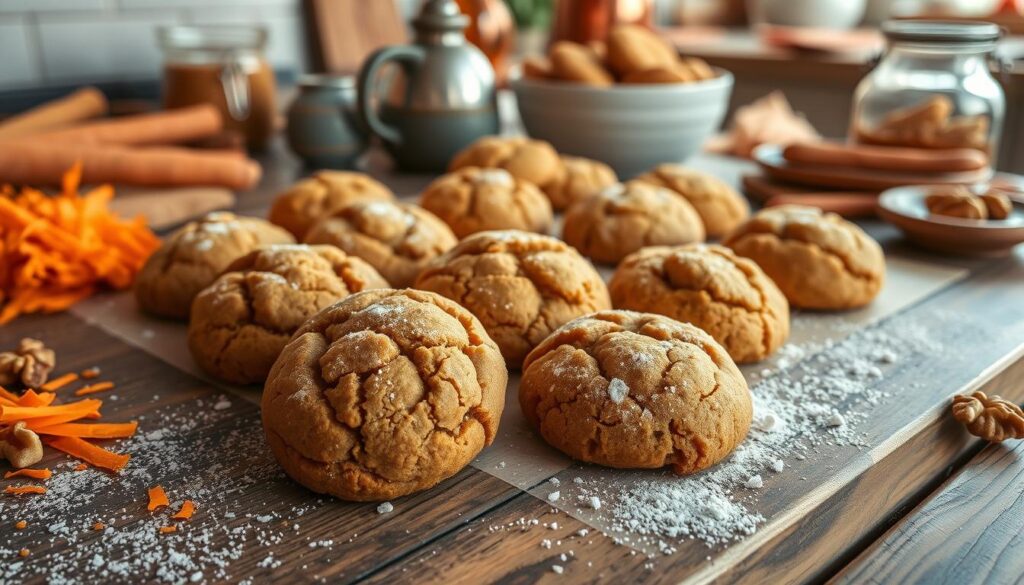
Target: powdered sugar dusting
column 813, row 398
column 617, row 390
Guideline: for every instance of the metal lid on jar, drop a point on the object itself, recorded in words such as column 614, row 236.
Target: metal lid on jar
column 932, row 31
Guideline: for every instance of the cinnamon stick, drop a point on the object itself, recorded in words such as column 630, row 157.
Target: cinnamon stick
column 80, row 105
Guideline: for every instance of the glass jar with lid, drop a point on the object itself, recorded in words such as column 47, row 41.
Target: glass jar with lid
column 933, row 88
column 223, row 66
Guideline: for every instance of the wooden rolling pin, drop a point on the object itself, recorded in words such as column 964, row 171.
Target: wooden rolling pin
column 886, row 158
column 166, row 127
column 83, row 104
column 39, row 163
column 848, row 205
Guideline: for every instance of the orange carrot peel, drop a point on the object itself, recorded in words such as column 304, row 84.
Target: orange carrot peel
column 94, row 388
column 28, row 472
column 22, row 490
column 186, row 511
column 59, row 382
column 157, row 498
column 91, row 454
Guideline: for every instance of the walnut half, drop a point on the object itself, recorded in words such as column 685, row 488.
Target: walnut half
column 992, row 419
column 20, row 445
column 31, row 363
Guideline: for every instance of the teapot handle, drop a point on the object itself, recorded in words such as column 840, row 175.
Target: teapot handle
column 405, row 55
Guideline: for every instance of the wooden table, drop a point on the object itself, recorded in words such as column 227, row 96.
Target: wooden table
column 858, row 514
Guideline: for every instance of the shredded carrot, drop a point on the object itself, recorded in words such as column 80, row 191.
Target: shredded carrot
column 90, row 373
column 186, row 511
column 33, row 398
column 99, row 526
column 21, row 490
column 96, row 431
column 80, row 467
column 168, row 529
column 89, row 453
column 59, row 382
column 23, row 552
column 93, row 388
column 56, row 251
column 9, row 414
column 33, row 473
column 20, row 524
column 7, row 397
column 157, row 498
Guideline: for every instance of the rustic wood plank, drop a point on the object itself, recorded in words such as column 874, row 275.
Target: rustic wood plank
column 823, row 510
column 246, row 506
column 968, row 531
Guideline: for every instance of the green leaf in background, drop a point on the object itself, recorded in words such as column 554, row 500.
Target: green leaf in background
column 532, row 13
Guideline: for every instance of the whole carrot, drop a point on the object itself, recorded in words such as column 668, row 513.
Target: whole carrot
column 165, row 127
column 34, row 162
column 83, row 104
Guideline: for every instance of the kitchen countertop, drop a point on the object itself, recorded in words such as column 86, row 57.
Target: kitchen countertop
column 841, row 510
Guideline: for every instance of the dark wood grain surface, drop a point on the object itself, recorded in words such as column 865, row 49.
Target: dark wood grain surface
column 968, row 531
column 823, row 513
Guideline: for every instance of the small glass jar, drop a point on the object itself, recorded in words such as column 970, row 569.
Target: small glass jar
column 223, row 66
column 933, row 88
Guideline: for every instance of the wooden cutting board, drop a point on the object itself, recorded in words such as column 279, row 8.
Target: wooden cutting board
column 343, row 33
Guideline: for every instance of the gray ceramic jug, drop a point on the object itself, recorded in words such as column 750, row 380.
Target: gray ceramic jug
column 322, row 125
column 445, row 98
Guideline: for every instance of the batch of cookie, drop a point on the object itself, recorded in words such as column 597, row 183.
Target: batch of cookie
column 384, row 332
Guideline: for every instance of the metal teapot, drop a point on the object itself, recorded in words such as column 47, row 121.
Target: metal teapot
column 445, row 98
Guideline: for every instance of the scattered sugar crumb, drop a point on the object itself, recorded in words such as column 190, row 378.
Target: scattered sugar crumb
column 385, row 508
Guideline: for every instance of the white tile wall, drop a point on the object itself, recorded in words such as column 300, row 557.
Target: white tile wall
column 57, row 42
column 18, row 67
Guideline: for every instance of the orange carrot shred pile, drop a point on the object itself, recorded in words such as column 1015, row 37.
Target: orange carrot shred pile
column 56, row 251
column 186, row 511
column 20, row 524
column 27, row 472
column 59, row 382
column 90, row 373
column 93, row 388
column 21, row 490
column 33, row 398
column 7, row 397
column 168, row 529
column 99, row 526
column 91, row 454
column 157, row 498
column 80, row 467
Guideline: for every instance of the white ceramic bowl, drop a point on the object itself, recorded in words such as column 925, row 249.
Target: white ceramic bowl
column 816, row 13
column 630, row 127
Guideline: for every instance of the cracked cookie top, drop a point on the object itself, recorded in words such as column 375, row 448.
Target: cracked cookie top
column 521, row 286
column 383, row 394
column 531, row 160
column 474, row 199
column 398, row 239
column 711, row 287
column 720, row 207
column 305, row 202
column 240, row 323
column 625, row 217
column 193, row 256
column 819, row 260
column 636, row 390
column 582, row 178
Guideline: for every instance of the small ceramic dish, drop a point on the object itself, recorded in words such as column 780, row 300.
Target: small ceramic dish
column 904, row 207
column 630, row 127
column 769, row 158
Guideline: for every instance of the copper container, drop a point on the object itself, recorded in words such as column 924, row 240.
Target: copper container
column 583, row 21
column 492, row 30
